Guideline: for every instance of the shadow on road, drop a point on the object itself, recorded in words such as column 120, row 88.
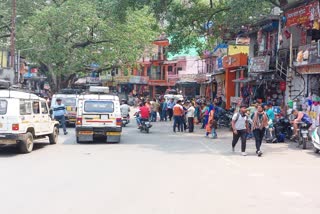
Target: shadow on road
column 12, row 151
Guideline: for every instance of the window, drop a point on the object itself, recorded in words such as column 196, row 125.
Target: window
column 36, row 107
column 25, row 107
column 3, row 107
column 44, row 108
column 98, row 106
column 68, row 101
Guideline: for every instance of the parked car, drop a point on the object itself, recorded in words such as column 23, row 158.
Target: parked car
column 25, row 117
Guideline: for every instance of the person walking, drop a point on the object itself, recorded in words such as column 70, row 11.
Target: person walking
column 164, row 110
column 190, row 116
column 211, row 126
column 59, row 114
column 154, row 110
column 196, row 113
column 240, row 128
column 170, row 106
column 259, row 124
column 177, row 117
column 205, row 118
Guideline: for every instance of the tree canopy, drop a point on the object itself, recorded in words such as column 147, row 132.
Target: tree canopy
column 68, row 35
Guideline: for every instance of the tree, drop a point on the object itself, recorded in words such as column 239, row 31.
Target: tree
column 67, row 36
column 25, row 8
column 214, row 20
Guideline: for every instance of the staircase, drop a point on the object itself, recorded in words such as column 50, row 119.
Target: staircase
column 295, row 80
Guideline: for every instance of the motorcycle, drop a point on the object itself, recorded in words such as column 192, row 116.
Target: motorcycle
column 125, row 120
column 303, row 135
column 282, row 128
column 145, row 126
column 225, row 118
column 316, row 140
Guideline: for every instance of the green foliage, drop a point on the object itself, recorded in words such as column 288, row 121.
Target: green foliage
column 70, row 35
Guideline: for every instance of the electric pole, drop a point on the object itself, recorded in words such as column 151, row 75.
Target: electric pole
column 13, row 33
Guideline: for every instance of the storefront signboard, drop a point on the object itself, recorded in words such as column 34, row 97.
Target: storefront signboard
column 259, row 64
column 303, row 15
column 139, row 80
column 93, row 80
column 122, row 79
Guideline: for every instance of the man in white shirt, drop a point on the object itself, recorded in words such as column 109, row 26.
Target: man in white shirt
column 124, row 108
column 240, row 128
column 190, row 116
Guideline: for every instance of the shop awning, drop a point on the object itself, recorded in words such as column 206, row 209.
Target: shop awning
column 243, row 80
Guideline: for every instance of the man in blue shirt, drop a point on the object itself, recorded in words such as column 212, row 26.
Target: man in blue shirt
column 170, row 106
column 59, row 112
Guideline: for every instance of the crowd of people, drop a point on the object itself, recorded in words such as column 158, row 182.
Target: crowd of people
column 254, row 121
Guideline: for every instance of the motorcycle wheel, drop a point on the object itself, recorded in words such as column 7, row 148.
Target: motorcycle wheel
column 147, row 130
column 316, row 150
column 304, row 143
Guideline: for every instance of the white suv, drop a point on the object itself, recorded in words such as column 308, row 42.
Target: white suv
column 25, row 117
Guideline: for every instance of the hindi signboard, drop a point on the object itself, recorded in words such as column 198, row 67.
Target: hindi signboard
column 259, row 64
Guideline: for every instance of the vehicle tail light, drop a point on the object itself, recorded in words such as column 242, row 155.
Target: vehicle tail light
column 15, row 127
column 79, row 121
column 119, row 121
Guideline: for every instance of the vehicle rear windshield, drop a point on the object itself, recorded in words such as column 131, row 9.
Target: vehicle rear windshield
column 99, row 106
column 69, row 101
column 3, row 107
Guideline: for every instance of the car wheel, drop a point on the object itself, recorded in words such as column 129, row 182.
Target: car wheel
column 53, row 138
column 26, row 145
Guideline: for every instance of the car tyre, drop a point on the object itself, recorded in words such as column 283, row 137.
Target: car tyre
column 53, row 138
column 26, row 145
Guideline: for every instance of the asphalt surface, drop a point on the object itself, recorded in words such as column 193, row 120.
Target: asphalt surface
column 160, row 172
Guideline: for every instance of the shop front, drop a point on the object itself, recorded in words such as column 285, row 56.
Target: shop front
column 309, row 68
column 140, row 85
column 267, row 85
column 235, row 68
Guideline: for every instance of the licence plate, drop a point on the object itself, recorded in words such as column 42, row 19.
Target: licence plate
column 114, row 133
column 2, row 136
column 304, row 132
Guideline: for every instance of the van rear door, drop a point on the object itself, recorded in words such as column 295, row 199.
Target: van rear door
column 4, row 126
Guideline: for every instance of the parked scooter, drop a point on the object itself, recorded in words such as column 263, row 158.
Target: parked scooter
column 316, row 140
column 303, row 135
column 225, row 117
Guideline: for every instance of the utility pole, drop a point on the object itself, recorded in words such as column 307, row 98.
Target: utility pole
column 13, row 33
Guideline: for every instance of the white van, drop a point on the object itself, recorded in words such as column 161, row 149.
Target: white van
column 98, row 116
column 25, row 117
column 70, row 101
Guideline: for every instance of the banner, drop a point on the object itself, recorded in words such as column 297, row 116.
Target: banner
column 303, row 15
column 259, row 64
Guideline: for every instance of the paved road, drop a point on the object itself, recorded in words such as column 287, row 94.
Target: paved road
column 160, row 172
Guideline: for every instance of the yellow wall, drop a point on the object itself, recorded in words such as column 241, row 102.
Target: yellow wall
column 236, row 49
column 3, row 59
